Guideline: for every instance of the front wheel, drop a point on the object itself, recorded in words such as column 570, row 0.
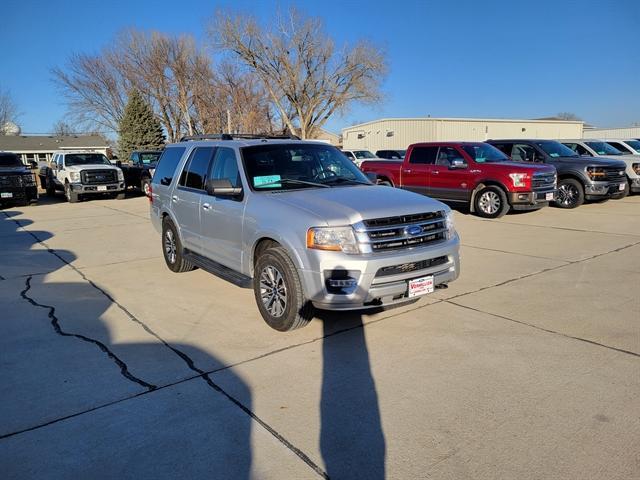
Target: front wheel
column 570, row 193
column 278, row 291
column 491, row 202
column 72, row 197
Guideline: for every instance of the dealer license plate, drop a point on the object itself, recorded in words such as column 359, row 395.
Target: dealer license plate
column 549, row 196
column 420, row 286
column 621, row 186
column 102, row 188
column 6, row 195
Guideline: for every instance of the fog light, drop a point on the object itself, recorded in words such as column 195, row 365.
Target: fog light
column 341, row 282
column 522, row 196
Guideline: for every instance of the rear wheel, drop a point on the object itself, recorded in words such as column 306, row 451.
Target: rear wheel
column 570, row 193
column 172, row 249
column 491, row 202
column 145, row 186
column 278, row 291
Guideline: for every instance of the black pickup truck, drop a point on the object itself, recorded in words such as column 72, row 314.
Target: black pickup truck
column 139, row 169
column 17, row 183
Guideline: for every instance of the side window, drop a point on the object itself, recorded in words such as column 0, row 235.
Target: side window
column 225, row 165
column 134, row 157
column 60, row 161
column 446, row 154
column 423, row 155
column 504, row 148
column 195, row 170
column 620, row 147
column 349, row 155
column 580, row 150
column 167, row 165
column 523, row 153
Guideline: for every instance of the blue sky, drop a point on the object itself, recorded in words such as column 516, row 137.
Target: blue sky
column 491, row 58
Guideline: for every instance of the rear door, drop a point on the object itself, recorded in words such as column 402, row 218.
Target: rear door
column 451, row 185
column 221, row 217
column 415, row 173
column 163, row 179
column 187, row 194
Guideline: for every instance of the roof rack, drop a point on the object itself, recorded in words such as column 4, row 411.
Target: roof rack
column 233, row 136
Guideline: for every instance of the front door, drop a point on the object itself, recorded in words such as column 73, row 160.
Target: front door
column 221, row 217
column 447, row 184
column 415, row 173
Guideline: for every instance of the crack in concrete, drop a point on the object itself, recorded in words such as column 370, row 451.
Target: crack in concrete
column 55, row 322
column 189, row 362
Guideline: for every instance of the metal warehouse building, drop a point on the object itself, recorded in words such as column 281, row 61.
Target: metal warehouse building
column 606, row 133
column 398, row 133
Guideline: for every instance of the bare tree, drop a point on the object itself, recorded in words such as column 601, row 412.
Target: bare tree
column 568, row 116
column 8, row 110
column 306, row 77
column 61, row 128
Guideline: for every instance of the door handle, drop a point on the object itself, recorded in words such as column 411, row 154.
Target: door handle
column 406, row 170
column 206, row 206
column 174, row 198
column 435, row 172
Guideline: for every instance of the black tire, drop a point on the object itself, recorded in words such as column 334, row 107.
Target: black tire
column 570, row 193
column 145, row 186
column 289, row 309
column 173, row 255
column 72, row 197
column 491, row 202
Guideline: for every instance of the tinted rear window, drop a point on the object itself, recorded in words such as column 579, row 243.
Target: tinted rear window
column 167, row 165
column 423, row 155
column 9, row 160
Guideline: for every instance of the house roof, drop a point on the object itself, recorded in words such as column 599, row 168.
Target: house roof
column 26, row 143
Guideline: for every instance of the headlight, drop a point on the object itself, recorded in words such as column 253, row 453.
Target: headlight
column 339, row 239
column 636, row 168
column 519, row 179
column 451, row 228
column 120, row 176
column 596, row 173
column 74, row 176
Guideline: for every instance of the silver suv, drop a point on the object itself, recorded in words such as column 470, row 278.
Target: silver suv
column 300, row 224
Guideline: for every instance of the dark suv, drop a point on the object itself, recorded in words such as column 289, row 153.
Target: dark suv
column 579, row 178
column 17, row 183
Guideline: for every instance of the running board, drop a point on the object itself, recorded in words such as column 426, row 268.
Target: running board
column 218, row 270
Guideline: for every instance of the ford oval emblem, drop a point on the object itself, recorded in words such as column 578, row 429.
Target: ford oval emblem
column 415, row 230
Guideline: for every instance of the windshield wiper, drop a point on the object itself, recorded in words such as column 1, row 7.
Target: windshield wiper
column 293, row 181
column 345, row 180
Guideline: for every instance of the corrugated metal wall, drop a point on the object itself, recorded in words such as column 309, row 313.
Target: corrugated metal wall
column 605, row 133
column 399, row 133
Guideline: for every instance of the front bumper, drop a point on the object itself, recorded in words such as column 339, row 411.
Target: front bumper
column 634, row 185
column 600, row 190
column 13, row 193
column 372, row 289
column 531, row 200
column 98, row 189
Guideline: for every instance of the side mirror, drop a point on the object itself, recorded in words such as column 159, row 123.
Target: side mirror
column 222, row 188
column 457, row 164
column 372, row 177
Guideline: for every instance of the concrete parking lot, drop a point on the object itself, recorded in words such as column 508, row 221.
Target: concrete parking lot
column 527, row 367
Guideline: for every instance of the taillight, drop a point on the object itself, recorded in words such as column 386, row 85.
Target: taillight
column 150, row 194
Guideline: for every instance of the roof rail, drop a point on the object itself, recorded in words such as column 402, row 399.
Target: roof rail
column 232, row 136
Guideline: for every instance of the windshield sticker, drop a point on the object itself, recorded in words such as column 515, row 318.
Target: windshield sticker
column 271, row 180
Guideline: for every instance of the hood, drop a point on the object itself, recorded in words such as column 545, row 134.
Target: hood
column 349, row 205
column 592, row 161
column 526, row 166
column 627, row 159
column 77, row 168
column 18, row 170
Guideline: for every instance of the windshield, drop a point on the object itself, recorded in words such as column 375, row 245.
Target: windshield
column 483, row 152
column 556, row 149
column 283, row 166
column 149, row 157
column 363, row 154
column 10, row 160
column 635, row 144
column 603, row 148
column 86, row 159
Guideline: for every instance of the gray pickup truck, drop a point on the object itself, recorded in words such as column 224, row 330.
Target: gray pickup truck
column 300, row 224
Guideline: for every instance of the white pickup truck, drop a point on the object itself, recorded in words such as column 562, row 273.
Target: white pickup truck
column 79, row 174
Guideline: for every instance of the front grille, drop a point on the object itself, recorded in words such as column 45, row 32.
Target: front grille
column 542, row 181
column 10, row 181
column 406, row 231
column 411, row 267
column 97, row 177
column 613, row 174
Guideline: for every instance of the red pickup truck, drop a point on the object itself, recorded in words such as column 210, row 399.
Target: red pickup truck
column 472, row 173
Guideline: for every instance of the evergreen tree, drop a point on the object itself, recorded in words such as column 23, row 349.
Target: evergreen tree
column 139, row 128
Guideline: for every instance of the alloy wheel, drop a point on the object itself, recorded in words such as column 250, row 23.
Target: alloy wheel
column 489, row 202
column 567, row 194
column 273, row 291
column 170, row 246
